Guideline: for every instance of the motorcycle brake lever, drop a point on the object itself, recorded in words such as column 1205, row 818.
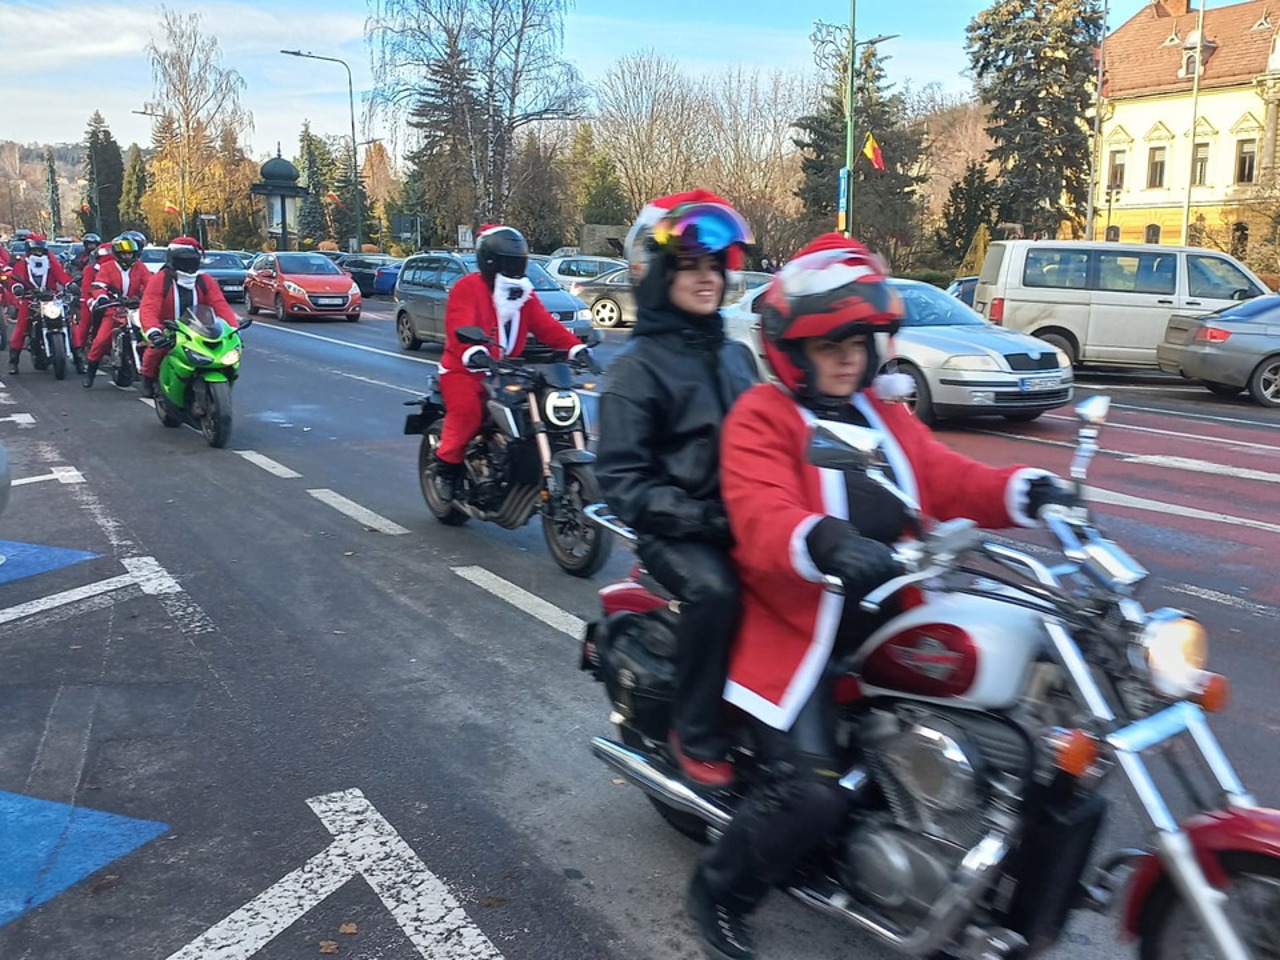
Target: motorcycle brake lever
column 872, row 602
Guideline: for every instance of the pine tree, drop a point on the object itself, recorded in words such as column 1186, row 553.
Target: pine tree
column 539, row 195
column 312, row 227
column 970, row 204
column 55, row 204
column 135, row 185
column 104, row 172
column 1033, row 63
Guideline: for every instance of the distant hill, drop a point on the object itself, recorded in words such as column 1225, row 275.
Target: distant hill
column 23, row 190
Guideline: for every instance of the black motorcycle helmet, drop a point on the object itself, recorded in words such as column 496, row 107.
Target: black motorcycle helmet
column 90, row 242
column 183, row 255
column 502, row 250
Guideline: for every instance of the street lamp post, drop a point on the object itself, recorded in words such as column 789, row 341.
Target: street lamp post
column 182, row 165
column 1095, row 157
column 355, row 171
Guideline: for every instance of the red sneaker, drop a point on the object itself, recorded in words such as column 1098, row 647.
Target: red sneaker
column 707, row 773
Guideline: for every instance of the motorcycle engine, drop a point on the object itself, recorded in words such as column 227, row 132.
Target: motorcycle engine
column 940, row 772
column 485, row 462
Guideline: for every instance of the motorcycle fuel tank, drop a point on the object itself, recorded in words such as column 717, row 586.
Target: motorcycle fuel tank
column 954, row 649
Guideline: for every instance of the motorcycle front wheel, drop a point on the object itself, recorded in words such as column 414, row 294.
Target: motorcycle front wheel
column 215, row 422
column 122, row 358
column 579, row 546
column 59, row 358
column 1169, row 930
column 446, row 513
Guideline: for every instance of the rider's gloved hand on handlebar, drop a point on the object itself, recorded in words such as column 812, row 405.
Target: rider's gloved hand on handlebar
column 716, row 524
column 861, row 563
column 156, row 337
column 1046, row 491
column 478, row 359
column 588, row 360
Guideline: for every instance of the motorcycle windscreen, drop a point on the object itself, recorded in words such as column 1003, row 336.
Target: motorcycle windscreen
column 205, row 323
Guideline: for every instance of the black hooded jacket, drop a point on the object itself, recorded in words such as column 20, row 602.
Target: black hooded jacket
column 668, row 392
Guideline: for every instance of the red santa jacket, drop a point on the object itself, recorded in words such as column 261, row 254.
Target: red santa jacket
column 774, row 497
column 53, row 278
column 470, row 304
column 160, row 300
column 118, row 283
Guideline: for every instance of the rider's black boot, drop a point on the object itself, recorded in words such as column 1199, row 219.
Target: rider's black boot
column 147, row 387
column 446, row 479
column 77, row 357
column 13, row 360
column 90, row 372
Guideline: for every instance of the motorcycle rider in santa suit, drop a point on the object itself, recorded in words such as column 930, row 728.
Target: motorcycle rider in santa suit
column 661, row 413
column 499, row 299
column 794, row 524
column 34, row 271
column 121, row 275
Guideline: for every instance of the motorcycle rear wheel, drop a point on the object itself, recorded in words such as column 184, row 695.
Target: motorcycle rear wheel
column 686, row 823
column 215, row 422
column 1169, row 931
column 579, row 546
column 446, row 513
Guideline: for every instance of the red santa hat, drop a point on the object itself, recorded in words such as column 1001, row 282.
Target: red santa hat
column 730, row 233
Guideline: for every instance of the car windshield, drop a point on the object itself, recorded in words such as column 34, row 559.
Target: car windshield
column 152, row 255
column 539, row 277
column 307, row 264
column 1249, row 309
column 222, row 261
column 927, row 306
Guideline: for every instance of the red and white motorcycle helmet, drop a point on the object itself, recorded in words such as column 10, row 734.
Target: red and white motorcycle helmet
column 834, row 288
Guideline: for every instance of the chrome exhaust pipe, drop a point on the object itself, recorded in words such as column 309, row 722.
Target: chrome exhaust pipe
column 638, row 771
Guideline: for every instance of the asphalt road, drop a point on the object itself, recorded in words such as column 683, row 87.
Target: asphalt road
column 236, row 657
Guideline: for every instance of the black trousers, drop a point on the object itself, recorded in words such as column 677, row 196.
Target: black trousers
column 787, row 814
column 701, row 576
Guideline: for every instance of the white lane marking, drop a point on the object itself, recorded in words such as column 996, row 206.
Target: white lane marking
column 364, row 844
column 518, row 597
column 62, row 599
column 60, row 474
column 24, row 420
column 1203, row 466
column 1173, row 509
column 267, row 464
column 64, row 745
column 148, row 401
column 1227, row 599
column 376, row 383
column 1180, row 434
column 356, row 512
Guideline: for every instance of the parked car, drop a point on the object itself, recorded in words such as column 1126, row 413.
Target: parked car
column 962, row 289
column 608, row 297
column 152, row 257
column 962, row 365
column 1106, row 303
column 301, row 285
column 567, row 269
column 385, row 277
column 229, row 270
column 1236, row 348
column 363, row 268
column 244, row 256
column 423, row 288
column 337, row 256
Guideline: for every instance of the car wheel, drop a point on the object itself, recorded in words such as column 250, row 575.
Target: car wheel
column 253, row 307
column 404, row 331
column 353, row 318
column 1022, row 416
column 919, row 402
column 606, row 313
column 1264, row 385
column 279, row 307
column 1062, row 343
column 1222, row 389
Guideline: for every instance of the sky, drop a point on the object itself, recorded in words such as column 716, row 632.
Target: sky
column 91, row 55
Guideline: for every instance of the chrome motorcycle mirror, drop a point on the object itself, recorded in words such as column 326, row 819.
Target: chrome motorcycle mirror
column 1094, row 410
column 1092, row 414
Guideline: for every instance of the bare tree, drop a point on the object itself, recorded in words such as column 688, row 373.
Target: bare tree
column 485, row 69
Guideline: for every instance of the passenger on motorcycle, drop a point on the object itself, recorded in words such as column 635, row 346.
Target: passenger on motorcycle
column 36, row 270
column 121, row 275
column 661, row 414
column 84, row 257
column 795, row 523
column 175, row 288
column 499, row 299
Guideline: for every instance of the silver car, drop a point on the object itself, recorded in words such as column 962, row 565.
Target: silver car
column 962, row 365
column 1236, row 348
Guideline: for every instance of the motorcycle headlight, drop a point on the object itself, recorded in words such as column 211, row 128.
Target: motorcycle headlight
column 231, row 357
column 51, row 310
column 199, row 359
column 1175, row 647
column 562, row 407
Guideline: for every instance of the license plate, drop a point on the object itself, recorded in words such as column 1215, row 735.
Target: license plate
column 1032, row 384
column 234, row 288
column 329, row 301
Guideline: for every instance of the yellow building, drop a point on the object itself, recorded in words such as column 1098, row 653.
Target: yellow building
column 1150, row 158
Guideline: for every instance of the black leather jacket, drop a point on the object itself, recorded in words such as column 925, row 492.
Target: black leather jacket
column 658, row 456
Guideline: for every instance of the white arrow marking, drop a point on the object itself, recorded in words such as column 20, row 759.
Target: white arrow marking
column 364, row 844
column 21, row 419
column 61, row 474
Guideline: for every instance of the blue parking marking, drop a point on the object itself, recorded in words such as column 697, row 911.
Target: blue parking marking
column 28, row 559
column 46, row 847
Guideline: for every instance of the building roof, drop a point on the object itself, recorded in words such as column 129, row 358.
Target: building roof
column 1144, row 55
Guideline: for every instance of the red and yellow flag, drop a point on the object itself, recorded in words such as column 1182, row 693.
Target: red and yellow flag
column 871, row 150
column 170, row 208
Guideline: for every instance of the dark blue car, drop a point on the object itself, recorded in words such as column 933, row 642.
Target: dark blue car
column 385, row 277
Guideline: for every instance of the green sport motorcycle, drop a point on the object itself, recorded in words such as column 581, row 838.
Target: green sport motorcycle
column 194, row 386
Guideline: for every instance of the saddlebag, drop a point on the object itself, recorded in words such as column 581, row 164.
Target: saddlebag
column 634, row 655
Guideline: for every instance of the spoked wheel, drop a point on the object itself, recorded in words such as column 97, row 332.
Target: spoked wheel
column 1170, row 931
column 215, row 422
column 446, row 513
column 579, row 546
column 59, row 358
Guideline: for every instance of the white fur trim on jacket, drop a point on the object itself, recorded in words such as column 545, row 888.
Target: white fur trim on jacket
column 470, row 352
column 574, row 351
column 801, row 559
column 894, row 386
column 1016, row 493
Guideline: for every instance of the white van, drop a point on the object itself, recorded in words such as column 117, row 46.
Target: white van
column 1105, row 302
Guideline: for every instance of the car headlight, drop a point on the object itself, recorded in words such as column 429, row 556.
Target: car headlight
column 230, row 358
column 355, row 289
column 1175, row 647
column 1064, row 361
column 970, row 362
column 293, row 288
column 583, row 314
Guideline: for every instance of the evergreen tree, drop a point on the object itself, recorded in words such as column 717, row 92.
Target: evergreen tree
column 312, row 227
column 55, row 203
column 135, row 186
column 343, row 204
column 539, row 195
column 104, row 172
column 971, row 204
column 606, row 201
column 1033, row 63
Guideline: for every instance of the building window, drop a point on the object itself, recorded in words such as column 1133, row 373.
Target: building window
column 1115, row 176
column 1239, row 240
column 1246, row 160
column 1153, row 233
column 1155, row 168
column 1200, row 165
column 1189, row 65
column 1113, row 234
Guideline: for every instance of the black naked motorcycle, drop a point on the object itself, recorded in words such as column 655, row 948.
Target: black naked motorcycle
column 530, row 456
column 48, row 339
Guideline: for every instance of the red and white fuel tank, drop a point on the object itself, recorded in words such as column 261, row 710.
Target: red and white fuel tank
column 955, row 649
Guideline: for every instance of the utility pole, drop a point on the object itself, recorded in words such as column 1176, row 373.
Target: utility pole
column 1095, row 160
column 1195, row 119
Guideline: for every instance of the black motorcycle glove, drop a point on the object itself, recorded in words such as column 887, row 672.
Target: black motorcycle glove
column 156, row 337
column 715, row 523
column 861, row 564
column 1044, row 491
column 588, row 360
column 480, row 360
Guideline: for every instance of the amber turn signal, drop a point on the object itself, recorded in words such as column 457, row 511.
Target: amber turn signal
column 1215, row 692
column 1074, row 751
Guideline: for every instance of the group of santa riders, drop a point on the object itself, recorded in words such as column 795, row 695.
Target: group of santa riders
column 100, row 282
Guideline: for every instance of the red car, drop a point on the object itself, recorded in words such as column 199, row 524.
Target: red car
column 301, row 285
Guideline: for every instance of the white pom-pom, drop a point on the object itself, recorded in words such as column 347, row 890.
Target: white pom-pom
column 894, row 386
